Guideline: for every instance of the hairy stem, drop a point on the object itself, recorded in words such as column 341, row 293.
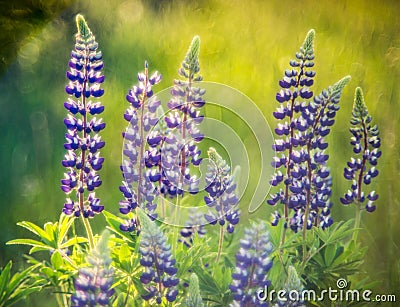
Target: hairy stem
column 221, row 241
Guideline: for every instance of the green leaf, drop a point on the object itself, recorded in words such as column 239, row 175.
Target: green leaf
column 36, row 230
column 22, row 294
column 19, row 277
column 30, row 242
column 64, row 225
column 207, row 284
column 73, row 241
column 57, row 260
column 329, row 254
column 4, row 278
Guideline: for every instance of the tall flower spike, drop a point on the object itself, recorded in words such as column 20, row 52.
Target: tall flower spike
column 361, row 169
column 221, row 198
column 83, row 161
column 138, row 187
column 180, row 150
column 194, row 298
column 295, row 87
column 252, row 265
column 300, row 159
column 158, row 276
column 93, row 284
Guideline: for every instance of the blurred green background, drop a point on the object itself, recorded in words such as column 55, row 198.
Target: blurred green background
column 245, row 44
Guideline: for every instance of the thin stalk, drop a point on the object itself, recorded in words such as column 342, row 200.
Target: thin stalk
column 141, row 152
column 360, row 180
column 64, row 296
column 357, row 221
column 221, row 241
column 59, row 299
column 128, row 292
column 308, row 200
column 89, row 231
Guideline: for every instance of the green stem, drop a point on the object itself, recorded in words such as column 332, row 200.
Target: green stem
column 280, row 250
column 64, row 296
column 89, row 232
column 175, row 225
column 357, row 222
column 221, row 241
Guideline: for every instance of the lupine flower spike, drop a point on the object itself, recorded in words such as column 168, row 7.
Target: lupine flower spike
column 361, row 169
column 93, row 284
column 194, row 298
column 221, row 195
column 159, row 272
column 138, row 187
column 252, row 266
column 300, row 159
column 180, row 150
column 83, row 160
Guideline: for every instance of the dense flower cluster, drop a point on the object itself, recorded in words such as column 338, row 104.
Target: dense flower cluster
column 300, row 147
column 83, row 142
column 366, row 142
column 221, row 198
column 138, row 187
column 159, row 273
column 180, row 146
column 93, row 284
column 252, row 265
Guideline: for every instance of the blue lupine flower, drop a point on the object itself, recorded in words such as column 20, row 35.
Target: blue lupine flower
column 193, row 225
column 83, row 160
column 137, row 187
column 93, row 284
column 180, row 147
column 221, row 198
column 366, row 143
column 252, row 265
column 300, row 159
column 158, row 276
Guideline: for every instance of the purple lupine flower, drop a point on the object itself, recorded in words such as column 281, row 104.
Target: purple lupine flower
column 159, row 275
column 180, row 149
column 366, row 143
column 221, row 198
column 193, row 225
column 138, row 187
column 93, row 284
column 252, row 265
column 300, row 159
column 83, row 160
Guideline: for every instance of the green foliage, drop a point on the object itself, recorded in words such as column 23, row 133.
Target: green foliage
column 18, row 286
column 53, row 236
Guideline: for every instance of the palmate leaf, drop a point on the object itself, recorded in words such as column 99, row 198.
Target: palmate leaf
column 52, row 235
